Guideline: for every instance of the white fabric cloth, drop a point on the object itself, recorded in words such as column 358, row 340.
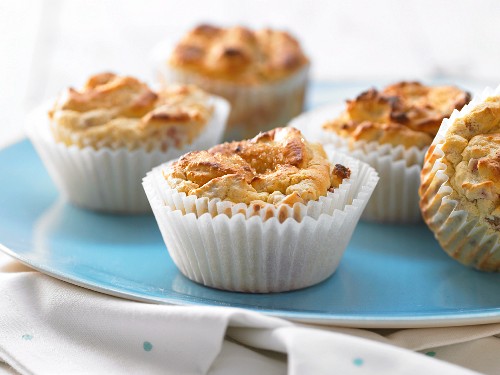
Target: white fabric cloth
column 51, row 327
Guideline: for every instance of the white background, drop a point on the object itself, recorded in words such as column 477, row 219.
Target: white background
column 47, row 45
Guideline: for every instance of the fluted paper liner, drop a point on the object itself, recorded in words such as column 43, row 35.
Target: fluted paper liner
column 254, row 108
column 105, row 179
column 226, row 246
column 395, row 200
column 461, row 235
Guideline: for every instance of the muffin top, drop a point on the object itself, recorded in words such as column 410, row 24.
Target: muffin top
column 238, row 54
column 405, row 113
column 120, row 111
column 472, row 156
column 277, row 167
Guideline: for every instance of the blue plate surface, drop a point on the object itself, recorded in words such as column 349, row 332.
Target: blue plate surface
column 390, row 276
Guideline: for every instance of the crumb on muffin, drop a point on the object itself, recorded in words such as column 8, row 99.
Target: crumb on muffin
column 276, row 167
column 119, row 111
column 238, row 54
column 405, row 113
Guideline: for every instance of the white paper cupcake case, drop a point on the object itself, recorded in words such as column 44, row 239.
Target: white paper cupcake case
column 105, row 179
column 253, row 108
column 462, row 236
column 395, row 200
column 240, row 252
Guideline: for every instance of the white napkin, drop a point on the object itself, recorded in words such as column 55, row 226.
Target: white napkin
column 51, row 327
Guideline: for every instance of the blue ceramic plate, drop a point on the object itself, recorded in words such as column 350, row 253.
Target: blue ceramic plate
column 389, row 277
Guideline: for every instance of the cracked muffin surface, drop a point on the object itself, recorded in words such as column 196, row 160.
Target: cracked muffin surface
column 472, row 157
column 277, row 167
column 120, row 111
column 405, row 113
column 239, row 54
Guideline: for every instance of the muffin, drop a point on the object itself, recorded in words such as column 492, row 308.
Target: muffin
column 263, row 74
column 269, row 214
column 459, row 193
column 389, row 129
column 98, row 142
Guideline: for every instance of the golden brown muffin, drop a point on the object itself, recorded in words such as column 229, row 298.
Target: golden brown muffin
column 238, row 54
column 405, row 113
column 263, row 74
column 472, row 159
column 459, row 193
column 249, row 238
column 119, row 111
column 277, row 167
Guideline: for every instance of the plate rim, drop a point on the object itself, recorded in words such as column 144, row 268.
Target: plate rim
column 378, row 322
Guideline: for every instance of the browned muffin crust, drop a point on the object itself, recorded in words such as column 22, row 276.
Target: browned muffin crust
column 277, row 167
column 238, row 54
column 460, row 185
column 405, row 113
column 120, row 111
column 472, row 159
